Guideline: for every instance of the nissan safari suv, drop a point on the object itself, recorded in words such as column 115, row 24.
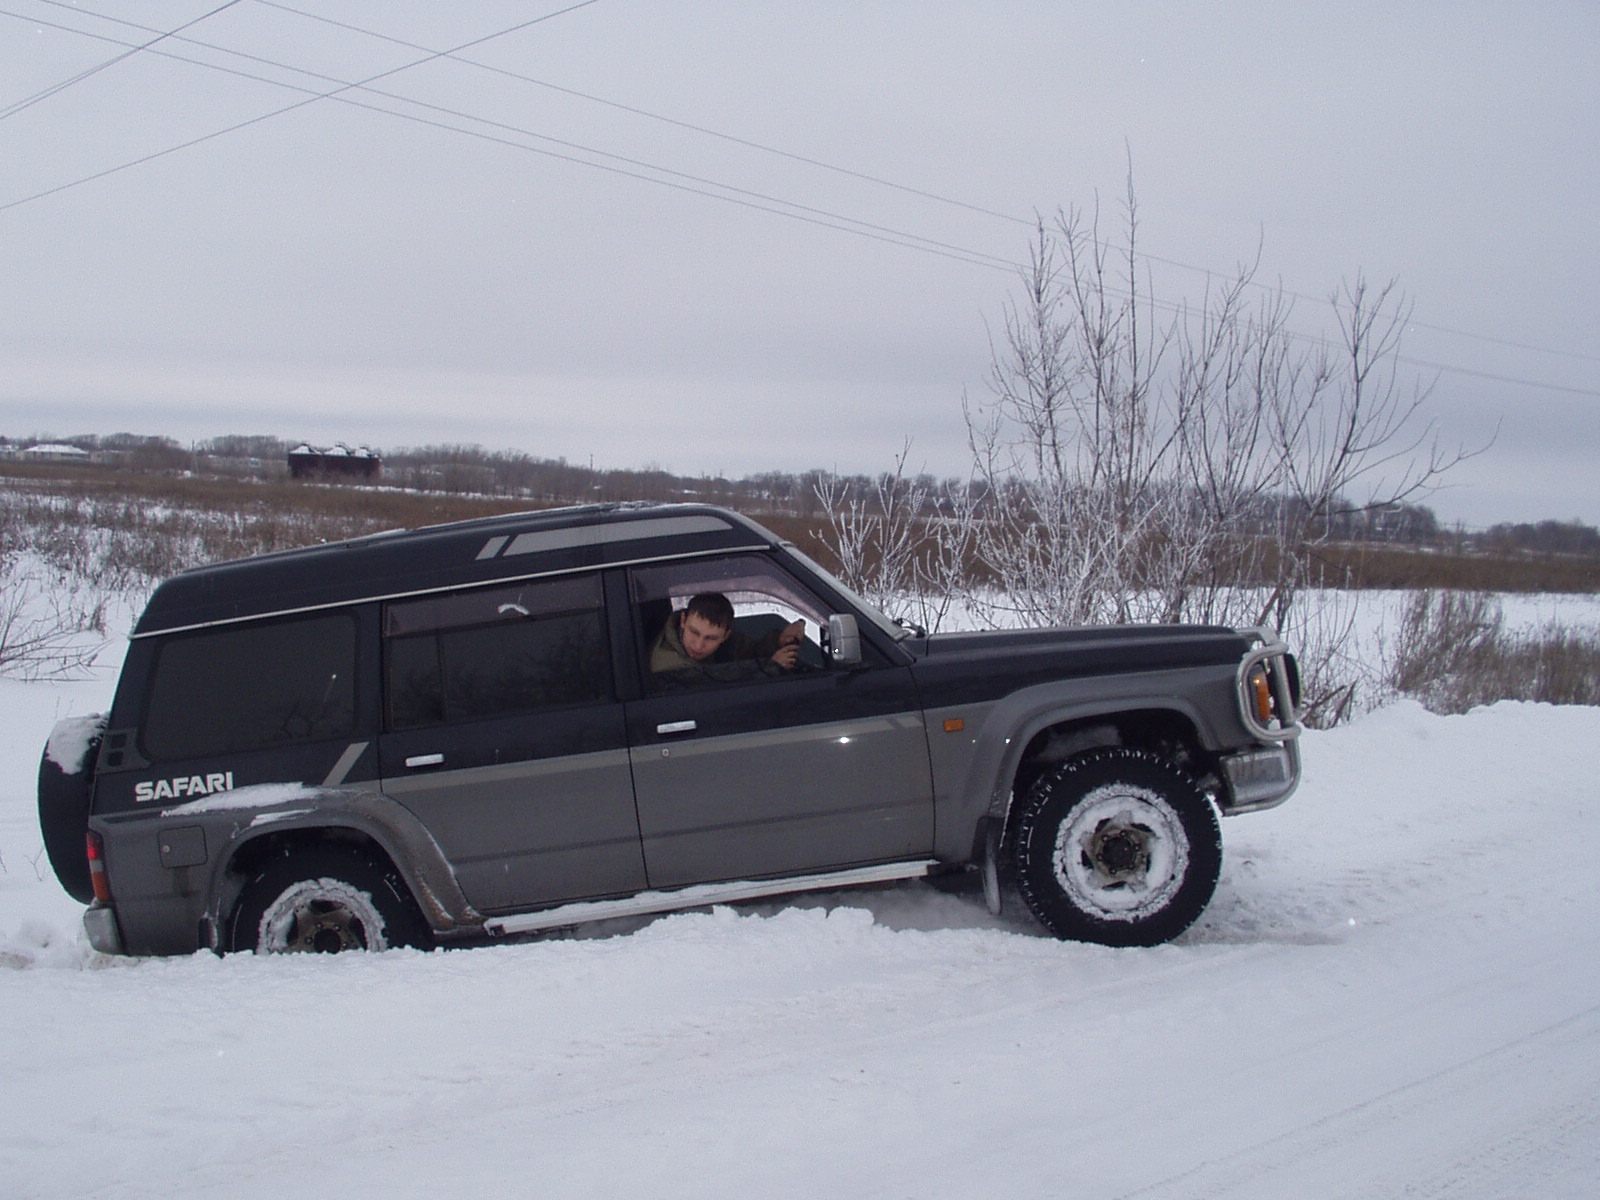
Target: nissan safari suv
column 452, row 734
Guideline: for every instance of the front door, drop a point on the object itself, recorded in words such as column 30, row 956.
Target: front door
column 771, row 771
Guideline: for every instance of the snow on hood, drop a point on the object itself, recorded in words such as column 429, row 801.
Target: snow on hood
column 70, row 740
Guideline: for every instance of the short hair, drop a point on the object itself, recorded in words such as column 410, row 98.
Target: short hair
column 713, row 608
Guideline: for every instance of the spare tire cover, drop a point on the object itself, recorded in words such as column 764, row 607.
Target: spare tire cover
column 66, row 776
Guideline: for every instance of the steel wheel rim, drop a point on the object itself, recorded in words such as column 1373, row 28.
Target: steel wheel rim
column 321, row 916
column 1122, row 853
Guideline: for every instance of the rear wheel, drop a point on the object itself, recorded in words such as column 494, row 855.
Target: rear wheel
column 1119, row 847
column 323, row 900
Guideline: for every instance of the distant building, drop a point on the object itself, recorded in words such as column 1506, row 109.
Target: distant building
column 338, row 462
column 54, row 452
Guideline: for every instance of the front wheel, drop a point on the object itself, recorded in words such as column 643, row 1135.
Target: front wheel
column 325, row 899
column 1118, row 847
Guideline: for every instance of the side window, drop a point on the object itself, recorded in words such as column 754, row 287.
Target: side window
column 493, row 652
column 765, row 599
column 251, row 687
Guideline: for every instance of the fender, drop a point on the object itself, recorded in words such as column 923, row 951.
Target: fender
column 973, row 781
column 272, row 810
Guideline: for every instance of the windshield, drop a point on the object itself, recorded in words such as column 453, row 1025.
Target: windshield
column 897, row 632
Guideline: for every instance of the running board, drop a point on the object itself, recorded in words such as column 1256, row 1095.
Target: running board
column 700, row 896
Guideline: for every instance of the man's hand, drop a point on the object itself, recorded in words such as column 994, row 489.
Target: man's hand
column 788, row 652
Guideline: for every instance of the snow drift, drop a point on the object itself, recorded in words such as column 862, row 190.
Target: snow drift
column 1395, row 992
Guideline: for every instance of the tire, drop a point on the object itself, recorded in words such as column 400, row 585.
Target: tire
column 325, row 899
column 1118, row 847
column 64, row 812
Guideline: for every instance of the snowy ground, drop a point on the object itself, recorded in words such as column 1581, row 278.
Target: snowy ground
column 1395, row 993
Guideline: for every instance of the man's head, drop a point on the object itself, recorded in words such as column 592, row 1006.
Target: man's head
column 705, row 625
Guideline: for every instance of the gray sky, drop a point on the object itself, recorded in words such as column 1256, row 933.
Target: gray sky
column 336, row 273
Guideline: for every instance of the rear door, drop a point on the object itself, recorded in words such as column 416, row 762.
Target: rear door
column 781, row 772
column 504, row 736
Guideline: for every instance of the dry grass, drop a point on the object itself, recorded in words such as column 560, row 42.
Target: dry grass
column 90, row 535
column 1455, row 654
column 124, row 532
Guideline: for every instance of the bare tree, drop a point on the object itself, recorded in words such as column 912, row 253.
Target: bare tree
column 1141, row 462
column 882, row 533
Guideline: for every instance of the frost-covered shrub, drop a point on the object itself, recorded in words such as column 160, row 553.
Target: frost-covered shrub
column 48, row 628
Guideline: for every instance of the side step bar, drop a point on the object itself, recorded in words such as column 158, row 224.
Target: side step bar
column 700, row 896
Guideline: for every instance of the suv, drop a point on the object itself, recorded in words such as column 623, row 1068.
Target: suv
column 453, row 733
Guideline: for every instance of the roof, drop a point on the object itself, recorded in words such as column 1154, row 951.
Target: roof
column 411, row 562
column 337, row 450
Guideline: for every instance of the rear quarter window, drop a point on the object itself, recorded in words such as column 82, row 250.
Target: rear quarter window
column 252, row 687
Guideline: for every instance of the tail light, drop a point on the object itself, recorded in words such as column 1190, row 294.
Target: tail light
column 97, row 868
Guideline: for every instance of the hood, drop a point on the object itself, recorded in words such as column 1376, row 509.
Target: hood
column 1065, row 638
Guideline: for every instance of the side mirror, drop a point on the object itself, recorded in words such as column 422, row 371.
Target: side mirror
column 844, row 640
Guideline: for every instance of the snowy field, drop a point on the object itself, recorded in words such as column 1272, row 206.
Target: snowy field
column 1396, row 993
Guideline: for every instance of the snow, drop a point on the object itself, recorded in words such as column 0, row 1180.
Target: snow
column 260, row 795
column 69, row 741
column 1396, row 992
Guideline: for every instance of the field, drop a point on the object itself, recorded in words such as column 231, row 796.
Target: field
column 1393, row 994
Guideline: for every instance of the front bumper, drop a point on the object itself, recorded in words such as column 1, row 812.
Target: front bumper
column 1259, row 779
column 100, row 924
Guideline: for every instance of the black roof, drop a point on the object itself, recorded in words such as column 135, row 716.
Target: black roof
column 410, row 561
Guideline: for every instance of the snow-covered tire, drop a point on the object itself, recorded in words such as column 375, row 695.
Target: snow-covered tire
column 323, row 900
column 1117, row 846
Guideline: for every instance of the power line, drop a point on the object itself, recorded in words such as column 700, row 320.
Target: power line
column 854, row 174
column 1483, row 337
column 454, row 55
column 1549, row 387
column 286, row 109
column 663, row 176
column 694, row 184
column 654, row 116
column 57, row 88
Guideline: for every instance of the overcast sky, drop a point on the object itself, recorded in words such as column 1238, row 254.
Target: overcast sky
column 339, row 273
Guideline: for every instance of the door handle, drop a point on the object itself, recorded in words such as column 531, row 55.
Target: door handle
column 677, row 727
column 425, row 760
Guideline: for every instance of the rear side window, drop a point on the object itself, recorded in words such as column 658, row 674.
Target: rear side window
column 252, row 687
column 494, row 652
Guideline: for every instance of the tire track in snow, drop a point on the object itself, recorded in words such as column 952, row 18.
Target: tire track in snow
column 608, row 1069
column 1558, row 1160
column 1544, row 1085
column 826, row 1041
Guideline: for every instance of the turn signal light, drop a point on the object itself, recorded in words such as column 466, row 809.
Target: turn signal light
column 1263, row 691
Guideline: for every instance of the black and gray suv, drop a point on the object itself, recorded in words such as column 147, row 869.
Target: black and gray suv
column 453, row 734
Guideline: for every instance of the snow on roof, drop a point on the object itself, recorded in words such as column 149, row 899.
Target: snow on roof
column 337, row 450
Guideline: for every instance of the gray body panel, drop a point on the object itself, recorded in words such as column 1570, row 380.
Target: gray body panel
column 528, row 809
column 784, row 800
column 532, row 832
column 972, row 768
column 164, row 908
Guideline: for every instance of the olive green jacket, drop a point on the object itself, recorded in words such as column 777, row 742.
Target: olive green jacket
column 740, row 657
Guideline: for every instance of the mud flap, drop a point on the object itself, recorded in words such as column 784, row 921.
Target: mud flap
column 991, row 867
